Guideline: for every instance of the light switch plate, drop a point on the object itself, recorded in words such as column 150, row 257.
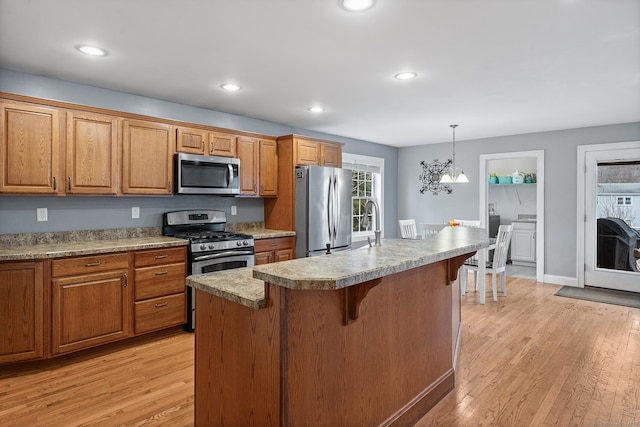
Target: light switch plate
column 135, row 212
column 234, row 210
column 41, row 214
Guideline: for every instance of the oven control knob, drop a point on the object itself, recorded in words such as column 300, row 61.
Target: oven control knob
column 211, row 246
column 238, row 243
column 203, row 247
column 245, row 243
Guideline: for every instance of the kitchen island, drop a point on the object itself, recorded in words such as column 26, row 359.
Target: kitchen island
column 359, row 338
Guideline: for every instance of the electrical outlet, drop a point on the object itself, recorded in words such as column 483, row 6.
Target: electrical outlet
column 41, row 214
column 135, row 212
column 234, row 210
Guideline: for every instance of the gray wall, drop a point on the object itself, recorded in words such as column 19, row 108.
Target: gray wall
column 18, row 213
column 560, row 158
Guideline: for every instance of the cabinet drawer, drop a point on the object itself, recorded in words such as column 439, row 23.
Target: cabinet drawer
column 89, row 264
column 159, row 313
column 159, row 280
column 264, row 245
column 160, row 256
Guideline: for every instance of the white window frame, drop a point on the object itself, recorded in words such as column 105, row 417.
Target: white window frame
column 349, row 159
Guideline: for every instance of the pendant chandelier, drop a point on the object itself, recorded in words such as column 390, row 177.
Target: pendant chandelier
column 452, row 176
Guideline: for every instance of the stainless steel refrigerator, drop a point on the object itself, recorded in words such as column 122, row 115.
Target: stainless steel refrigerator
column 323, row 210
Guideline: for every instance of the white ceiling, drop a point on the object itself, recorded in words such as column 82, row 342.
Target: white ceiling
column 495, row 67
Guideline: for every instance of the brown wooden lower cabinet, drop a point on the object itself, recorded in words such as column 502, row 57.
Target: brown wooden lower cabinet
column 276, row 249
column 160, row 293
column 89, row 310
column 53, row 307
column 89, row 301
column 21, row 311
column 312, row 357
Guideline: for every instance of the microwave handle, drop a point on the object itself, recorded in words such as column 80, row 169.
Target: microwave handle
column 230, row 176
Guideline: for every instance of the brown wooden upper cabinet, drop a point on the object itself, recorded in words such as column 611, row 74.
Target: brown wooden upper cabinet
column 92, row 153
column 189, row 140
column 29, row 148
column 268, row 168
column 331, row 155
column 199, row 141
column 308, row 152
column 147, row 157
column 222, row 144
column 258, row 167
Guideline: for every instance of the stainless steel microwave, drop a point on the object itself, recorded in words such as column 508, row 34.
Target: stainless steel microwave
column 196, row 174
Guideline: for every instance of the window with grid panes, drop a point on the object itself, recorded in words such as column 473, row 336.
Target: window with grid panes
column 367, row 182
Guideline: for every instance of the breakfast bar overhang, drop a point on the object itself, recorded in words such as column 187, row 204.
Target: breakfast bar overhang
column 359, row 338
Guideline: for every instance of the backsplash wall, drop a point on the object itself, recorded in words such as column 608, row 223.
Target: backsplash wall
column 18, row 213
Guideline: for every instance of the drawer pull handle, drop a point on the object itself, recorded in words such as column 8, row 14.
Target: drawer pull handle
column 274, row 244
column 161, row 256
column 162, row 304
column 92, row 264
column 160, row 273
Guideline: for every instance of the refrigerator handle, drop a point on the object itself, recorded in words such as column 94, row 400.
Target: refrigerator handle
column 330, row 209
column 336, row 211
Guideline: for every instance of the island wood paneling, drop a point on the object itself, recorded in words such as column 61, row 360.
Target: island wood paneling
column 389, row 366
column 237, row 364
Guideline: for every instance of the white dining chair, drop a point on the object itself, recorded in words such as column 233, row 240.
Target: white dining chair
column 407, row 228
column 498, row 263
column 429, row 231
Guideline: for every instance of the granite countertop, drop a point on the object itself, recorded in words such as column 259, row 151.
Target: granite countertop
column 237, row 285
column 29, row 246
column 65, row 249
column 340, row 269
column 257, row 230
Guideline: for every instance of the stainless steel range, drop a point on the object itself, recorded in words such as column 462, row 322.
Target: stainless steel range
column 211, row 248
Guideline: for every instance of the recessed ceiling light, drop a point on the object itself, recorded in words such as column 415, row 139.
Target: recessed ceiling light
column 91, row 50
column 230, row 87
column 316, row 109
column 406, row 75
column 357, row 5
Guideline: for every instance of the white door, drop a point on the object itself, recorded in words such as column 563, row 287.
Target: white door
column 601, row 267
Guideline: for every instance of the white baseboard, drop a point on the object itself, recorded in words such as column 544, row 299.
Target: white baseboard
column 561, row 280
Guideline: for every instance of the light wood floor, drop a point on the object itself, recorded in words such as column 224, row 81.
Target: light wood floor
column 532, row 359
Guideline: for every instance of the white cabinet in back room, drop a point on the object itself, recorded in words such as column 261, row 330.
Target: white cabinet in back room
column 523, row 243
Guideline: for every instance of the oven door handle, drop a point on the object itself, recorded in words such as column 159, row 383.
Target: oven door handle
column 221, row 255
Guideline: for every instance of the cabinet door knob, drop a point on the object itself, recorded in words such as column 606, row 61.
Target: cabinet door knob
column 126, row 280
column 70, row 183
column 55, row 184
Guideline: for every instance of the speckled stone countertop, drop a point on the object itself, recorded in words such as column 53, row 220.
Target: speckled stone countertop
column 237, row 285
column 257, row 230
column 29, row 246
column 341, row 269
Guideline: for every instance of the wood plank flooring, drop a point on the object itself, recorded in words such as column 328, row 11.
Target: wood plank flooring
column 532, row 359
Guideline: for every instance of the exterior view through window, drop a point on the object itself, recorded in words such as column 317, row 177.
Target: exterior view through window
column 618, row 213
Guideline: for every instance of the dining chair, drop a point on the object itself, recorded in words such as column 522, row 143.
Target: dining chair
column 498, row 263
column 429, row 231
column 407, row 228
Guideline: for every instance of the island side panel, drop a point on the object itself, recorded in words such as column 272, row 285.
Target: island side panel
column 391, row 365
column 237, row 364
